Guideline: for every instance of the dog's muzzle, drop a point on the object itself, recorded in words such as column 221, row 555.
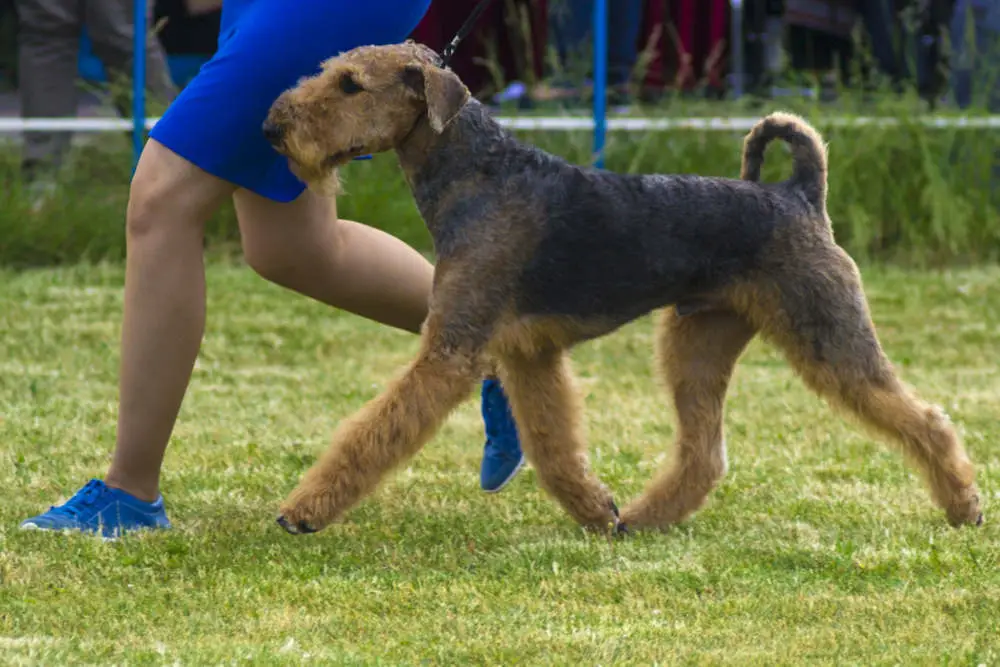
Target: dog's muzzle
column 273, row 132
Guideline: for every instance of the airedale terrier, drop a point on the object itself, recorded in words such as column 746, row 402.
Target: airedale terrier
column 535, row 255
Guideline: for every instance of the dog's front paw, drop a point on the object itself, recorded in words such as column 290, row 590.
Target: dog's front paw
column 300, row 528
column 307, row 510
column 966, row 509
column 618, row 527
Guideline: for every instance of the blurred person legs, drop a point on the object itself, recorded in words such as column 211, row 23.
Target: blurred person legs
column 877, row 16
column 819, row 33
column 975, row 39
column 763, row 30
column 933, row 18
column 49, row 38
column 571, row 25
column 975, row 60
column 110, row 24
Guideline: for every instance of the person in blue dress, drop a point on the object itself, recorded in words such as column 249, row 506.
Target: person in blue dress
column 208, row 147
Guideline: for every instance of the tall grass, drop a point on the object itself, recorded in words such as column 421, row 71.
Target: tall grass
column 906, row 194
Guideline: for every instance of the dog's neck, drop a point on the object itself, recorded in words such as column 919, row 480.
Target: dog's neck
column 414, row 149
column 423, row 149
column 434, row 163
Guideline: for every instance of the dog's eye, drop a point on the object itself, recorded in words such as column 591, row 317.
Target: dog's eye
column 349, row 86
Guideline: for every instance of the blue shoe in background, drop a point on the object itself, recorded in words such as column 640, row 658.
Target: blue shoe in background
column 502, row 455
column 98, row 508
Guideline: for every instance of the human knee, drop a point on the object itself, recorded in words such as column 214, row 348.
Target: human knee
column 169, row 194
column 158, row 204
column 150, row 203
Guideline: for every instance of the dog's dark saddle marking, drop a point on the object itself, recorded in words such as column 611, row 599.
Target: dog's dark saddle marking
column 617, row 246
column 607, row 247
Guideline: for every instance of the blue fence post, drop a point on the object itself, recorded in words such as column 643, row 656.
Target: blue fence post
column 138, row 80
column 600, row 79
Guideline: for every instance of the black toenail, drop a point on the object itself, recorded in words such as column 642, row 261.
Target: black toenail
column 620, row 528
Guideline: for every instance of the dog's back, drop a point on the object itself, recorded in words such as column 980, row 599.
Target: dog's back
column 617, row 246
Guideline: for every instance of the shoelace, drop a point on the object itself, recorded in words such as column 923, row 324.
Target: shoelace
column 83, row 498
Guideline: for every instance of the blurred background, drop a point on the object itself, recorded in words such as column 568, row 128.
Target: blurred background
column 920, row 190
column 542, row 46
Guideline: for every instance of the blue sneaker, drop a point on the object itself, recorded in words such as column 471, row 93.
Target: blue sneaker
column 502, row 455
column 97, row 508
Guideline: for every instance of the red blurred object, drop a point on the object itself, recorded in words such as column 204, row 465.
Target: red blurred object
column 691, row 45
column 445, row 17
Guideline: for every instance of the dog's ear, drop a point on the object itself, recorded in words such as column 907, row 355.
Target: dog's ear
column 442, row 91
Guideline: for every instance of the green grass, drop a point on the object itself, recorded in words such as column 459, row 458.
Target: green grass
column 820, row 545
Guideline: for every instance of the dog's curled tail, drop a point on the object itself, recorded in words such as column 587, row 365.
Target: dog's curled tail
column 808, row 153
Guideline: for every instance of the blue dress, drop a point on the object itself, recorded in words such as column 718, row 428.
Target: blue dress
column 265, row 47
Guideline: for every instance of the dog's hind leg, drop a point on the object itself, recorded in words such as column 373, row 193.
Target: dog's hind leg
column 696, row 355
column 821, row 320
column 385, row 432
column 547, row 411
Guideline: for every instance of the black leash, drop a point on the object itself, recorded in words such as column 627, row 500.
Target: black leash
column 463, row 32
column 448, row 51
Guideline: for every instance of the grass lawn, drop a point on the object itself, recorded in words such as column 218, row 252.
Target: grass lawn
column 819, row 546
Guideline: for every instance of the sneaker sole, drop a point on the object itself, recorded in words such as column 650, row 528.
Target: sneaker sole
column 65, row 531
column 512, row 475
column 72, row 531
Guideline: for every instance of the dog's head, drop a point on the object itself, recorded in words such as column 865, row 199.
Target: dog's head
column 366, row 100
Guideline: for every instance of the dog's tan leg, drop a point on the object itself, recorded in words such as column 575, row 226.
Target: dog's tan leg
column 824, row 327
column 385, row 432
column 870, row 389
column 926, row 435
column 547, row 410
column 696, row 355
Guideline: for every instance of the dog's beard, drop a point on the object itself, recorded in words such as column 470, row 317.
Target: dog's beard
column 322, row 179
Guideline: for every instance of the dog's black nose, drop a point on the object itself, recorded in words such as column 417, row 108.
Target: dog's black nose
column 273, row 132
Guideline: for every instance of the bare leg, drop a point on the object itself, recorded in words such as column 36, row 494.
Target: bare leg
column 304, row 247
column 300, row 244
column 164, row 309
column 697, row 354
column 547, row 410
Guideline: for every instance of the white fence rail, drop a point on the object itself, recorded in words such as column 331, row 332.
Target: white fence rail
column 548, row 123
